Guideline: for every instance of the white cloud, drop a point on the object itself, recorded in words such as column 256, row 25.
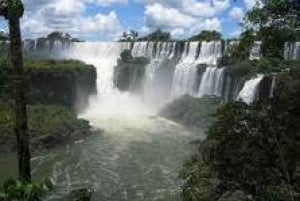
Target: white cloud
column 68, row 16
column 236, row 13
column 206, row 24
column 178, row 24
column 157, row 15
column 206, row 8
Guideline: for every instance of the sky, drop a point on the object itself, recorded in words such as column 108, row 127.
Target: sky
column 105, row 20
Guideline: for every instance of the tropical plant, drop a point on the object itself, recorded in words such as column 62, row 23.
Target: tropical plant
column 22, row 191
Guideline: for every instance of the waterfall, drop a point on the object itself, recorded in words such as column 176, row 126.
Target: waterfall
column 185, row 77
column 272, row 86
column 250, row 90
column 212, row 82
column 186, row 72
column 139, row 49
column 292, row 51
column 158, row 73
column 210, row 52
column 255, row 52
column 176, row 68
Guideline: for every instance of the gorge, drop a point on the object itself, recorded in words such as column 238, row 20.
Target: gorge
column 139, row 154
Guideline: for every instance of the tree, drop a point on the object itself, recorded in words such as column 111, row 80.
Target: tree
column 207, row 35
column 13, row 10
column 157, row 35
column 273, row 22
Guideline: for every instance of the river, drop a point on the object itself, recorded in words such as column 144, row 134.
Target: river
column 137, row 157
column 133, row 159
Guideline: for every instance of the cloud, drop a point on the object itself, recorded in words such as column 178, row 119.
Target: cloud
column 236, row 13
column 206, row 8
column 177, row 20
column 69, row 16
column 157, row 15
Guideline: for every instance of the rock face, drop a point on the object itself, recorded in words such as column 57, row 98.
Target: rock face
column 70, row 89
column 237, row 195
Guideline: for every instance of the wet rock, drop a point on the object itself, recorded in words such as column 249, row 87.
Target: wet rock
column 237, row 195
column 81, row 195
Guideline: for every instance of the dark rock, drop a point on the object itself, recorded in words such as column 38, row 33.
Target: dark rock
column 265, row 88
column 81, row 195
column 237, row 195
column 70, row 89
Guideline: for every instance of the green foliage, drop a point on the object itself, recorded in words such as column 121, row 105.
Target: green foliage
column 48, row 65
column 207, row 36
column 247, row 69
column 242, row 50
column 253, row 148
column 15, row 9
column 199, row 182
column 49, row 126
column 273, row 22
column 17, row 190
column 192, row 112
column 156, row 36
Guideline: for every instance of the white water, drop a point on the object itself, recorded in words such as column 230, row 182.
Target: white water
column 210, row 53
column 212, row 82
column 250, row 89
column 109, row 101
column 255, row 52
column 292, row 51
column 186, row 72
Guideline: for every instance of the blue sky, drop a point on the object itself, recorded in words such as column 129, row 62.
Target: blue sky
column 105, row 20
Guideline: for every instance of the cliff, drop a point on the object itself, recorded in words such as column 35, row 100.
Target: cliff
column 67, row 83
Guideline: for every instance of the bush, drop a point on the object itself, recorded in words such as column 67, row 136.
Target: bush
column 48, row 65
column 253, row 149
column 49, row 126
column 18, row 190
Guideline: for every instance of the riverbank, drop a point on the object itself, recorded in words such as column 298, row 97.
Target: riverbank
column 55, row 91
column 49, row 127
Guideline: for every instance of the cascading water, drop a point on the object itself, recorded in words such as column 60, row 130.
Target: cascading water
column 109, row 100
column 210, row 53
column 186, row 72
column 292, row 51
column 212, row 82
column 250, row 89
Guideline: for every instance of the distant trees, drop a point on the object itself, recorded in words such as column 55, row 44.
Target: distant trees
column 273, row 22
column 206, row 35
column 157, row 35
column 129, row 36
column 61, row 36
